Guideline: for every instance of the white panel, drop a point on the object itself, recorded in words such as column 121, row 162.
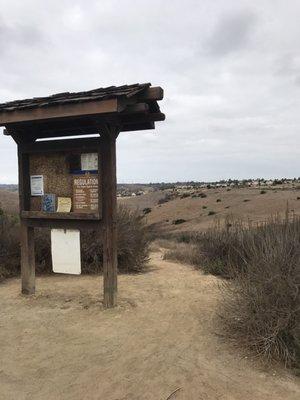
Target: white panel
column 37, row 185
column 65, row 249
column 89, row 161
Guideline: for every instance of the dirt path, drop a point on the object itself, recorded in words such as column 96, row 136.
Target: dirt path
column 60, row 345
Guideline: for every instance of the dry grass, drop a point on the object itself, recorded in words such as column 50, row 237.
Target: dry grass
column 261, row 301
column 133, row 246
column 195, row 210
column 9, row 246
column 184, row 253
column 261, row 306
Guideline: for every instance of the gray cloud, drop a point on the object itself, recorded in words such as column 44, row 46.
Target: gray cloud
column 230, row 71
column 232, row 33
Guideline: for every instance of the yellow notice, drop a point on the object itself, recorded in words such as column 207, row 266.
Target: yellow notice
column 64, row 204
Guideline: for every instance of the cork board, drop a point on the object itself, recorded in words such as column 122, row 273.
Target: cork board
column 58, row 180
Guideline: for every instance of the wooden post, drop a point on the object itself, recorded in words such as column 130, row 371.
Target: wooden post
column 109, row 215
column 27, row 233
column 27, row 259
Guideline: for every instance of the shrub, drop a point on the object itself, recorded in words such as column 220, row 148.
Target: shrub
column 184, row 253
column 185, row 195
column 219, row 200
column 219, row 248
column 203, row 195
column 211, row 213
column 261, row 304
column 184, row 237
column 9, row 246
column 133, row 246
column 178, row 221
column 204, row 207
column 263, row 192
column 165, row 199
column 147, row 210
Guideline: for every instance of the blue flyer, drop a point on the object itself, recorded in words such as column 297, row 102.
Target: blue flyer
column 48, row 203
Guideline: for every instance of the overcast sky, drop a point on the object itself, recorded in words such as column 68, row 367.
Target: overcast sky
column 230, row 71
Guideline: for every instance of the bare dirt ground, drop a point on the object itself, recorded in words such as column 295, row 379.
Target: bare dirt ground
column 61, row 344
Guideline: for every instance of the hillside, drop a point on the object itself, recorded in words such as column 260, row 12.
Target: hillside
column 246, row 203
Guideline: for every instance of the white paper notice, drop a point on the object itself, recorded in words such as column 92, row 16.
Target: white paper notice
column 89, row 161
column 37, row 185
column 65, row 250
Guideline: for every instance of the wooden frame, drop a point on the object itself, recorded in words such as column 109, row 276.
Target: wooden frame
column 105, row 112
column 106, row 221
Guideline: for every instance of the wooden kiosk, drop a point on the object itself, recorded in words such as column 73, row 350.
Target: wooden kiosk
column 41, row 127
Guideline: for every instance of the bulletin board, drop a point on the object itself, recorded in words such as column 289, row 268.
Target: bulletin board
column 72, row 176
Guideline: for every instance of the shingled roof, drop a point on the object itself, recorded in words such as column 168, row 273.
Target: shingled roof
column 110, row 92
column 129, row 107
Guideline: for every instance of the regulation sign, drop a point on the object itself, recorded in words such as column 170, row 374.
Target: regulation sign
column 85, row 193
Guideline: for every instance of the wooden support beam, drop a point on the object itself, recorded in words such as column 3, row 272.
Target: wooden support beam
column 141, row 118
column 95, row 225
column 59, row 111
column 27, row 233
column 60, row 215
column 136, row 114
column 24, row 180
column 152, row 93
column 136, row 108
column 138, row 127
column 109, row 215
column 82, row 144
column 27, row 259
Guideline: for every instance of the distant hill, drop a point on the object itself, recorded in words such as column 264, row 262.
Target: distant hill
column 189, row 211
column 11, row 187
column 9, row 200
column 195, row 209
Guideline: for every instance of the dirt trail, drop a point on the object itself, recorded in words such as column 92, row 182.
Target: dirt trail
column 60, row 344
